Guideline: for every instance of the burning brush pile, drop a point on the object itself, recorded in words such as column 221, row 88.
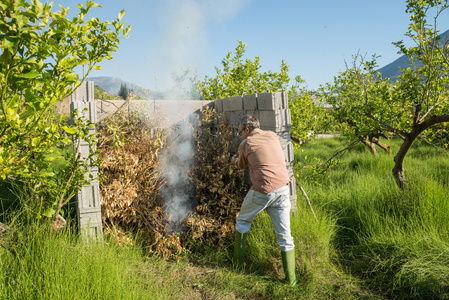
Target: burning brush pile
column 132, row 150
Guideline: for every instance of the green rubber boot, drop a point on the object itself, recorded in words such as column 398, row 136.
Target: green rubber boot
column 239, row 249
column 288, row 261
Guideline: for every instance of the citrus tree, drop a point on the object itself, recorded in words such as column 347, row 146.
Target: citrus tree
column 308, row 112
column 39, row 51
column 241, row 76
column 418, row 103
column 348, row 95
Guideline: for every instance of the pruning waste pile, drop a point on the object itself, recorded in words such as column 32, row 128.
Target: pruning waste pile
column 129, row 149
column 219, row 186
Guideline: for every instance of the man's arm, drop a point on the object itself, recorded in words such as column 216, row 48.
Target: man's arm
column 242, row 159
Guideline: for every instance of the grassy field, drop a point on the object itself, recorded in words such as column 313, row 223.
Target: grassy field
column 371, row 241
column 395, row 241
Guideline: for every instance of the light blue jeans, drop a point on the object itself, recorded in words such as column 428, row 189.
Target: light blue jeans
column 277, row 204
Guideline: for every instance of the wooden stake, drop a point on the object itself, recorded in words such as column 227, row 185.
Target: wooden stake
column 307, row 198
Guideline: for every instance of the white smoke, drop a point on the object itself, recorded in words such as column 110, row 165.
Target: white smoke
column 183, row 42
column 178, row 192
column 183, row 45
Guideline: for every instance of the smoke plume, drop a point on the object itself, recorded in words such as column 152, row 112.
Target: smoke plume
column 184, row 39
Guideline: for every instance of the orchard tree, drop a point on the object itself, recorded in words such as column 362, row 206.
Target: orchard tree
column 243, row 77
column 348, row 95
column 308, row 112
column 419, row 101
column 39, row 51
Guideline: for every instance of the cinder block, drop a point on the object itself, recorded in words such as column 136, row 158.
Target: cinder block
column 275, row 120
column 85, row 110
column 89, row 196
column 219, row 105
column 250, row 103
column 254, row 113
column 270, row 118
column 84, row 150
column 92, row 233
column 92, row 112
column 90, row 224
column 89, row 210
column 90, row 219
column 284, row 103
column 233, row 103
column 284, row 136
column 288, row 151
column 287, row 117
column 233, row 117
column 84, row 93
column 293, row 195
column 205, row 103
column 79, row 106
column 93, row 173
column 226, row 105
column 269, row 101
column 145, row 106
column 292, row 186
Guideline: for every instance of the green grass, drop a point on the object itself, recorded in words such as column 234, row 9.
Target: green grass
column 372, row 240
column 395, row 240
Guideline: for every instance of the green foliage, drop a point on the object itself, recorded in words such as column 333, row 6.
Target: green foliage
column 364, row 103
column 185, row 85
column 124, row 91
column 309, row 114
column 356, row 89
column 367, row 106
column 100, row 93
column 39, row 51
column 243, row 77
column 36, row 264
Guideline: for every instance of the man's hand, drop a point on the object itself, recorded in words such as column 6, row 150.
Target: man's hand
column 234, row 159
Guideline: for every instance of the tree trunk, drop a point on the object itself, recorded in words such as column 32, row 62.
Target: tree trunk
column 370, row 145
column 398, row 170
column 387, row 148
column 409, row 139
column 295, row 138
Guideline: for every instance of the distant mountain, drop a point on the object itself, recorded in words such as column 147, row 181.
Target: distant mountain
column 112, row 86
column 393, row 70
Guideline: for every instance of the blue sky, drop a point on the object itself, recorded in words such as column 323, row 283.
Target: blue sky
column 314, row 37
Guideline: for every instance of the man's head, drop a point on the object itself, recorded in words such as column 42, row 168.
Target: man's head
column 247, row 124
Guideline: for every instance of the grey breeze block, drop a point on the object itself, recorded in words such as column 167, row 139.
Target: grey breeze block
column 88, row 197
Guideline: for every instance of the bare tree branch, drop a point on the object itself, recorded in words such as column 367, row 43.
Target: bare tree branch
column 403, row 135
column 337, row 153
column 436, row 119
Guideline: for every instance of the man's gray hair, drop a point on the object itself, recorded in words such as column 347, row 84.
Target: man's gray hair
column 250, row 122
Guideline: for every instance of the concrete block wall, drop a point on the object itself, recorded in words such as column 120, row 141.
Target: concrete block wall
column 88, row 198
column 273, row 113
column 171, row 110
